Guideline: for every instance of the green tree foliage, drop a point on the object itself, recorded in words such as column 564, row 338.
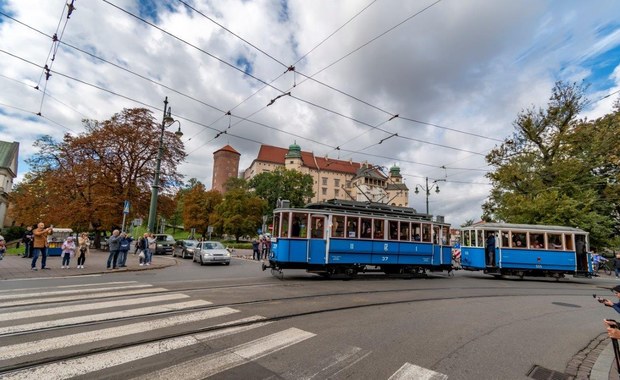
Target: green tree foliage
column 557, row 169
column 283, row 184
column 240, row 213
column 84, row 180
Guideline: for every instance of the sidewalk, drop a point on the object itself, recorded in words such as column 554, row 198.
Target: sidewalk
column 17, row 267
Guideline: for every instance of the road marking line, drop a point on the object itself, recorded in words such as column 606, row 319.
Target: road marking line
column 51, row 278
column 50, row 344
column 334, row 363
column 102, row 316
column 76, row 367
column 34, row 313
column 81, row 297
column 69, row 286
column 27, row 294
column 413, row 372
column 218, row 362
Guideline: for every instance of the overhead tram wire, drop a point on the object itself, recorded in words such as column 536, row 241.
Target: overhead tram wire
column 263, row 81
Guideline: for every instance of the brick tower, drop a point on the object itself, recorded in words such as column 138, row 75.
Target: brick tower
column 225, row 165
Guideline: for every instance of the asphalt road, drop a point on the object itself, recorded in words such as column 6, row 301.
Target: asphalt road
column 469, row 326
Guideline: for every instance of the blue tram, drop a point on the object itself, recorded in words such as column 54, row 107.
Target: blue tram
column 525, row 250
column 349, row 237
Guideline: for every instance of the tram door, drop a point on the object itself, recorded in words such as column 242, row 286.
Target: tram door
column 318, row 244
column 489, row 248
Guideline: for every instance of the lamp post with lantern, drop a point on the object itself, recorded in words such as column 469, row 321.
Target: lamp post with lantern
column 428, row 189
column 166, row 122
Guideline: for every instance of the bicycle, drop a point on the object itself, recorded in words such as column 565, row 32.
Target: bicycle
column 606, row 267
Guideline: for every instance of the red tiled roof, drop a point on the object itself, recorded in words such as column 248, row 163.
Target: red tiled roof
column 227, row 148
column 276, row 155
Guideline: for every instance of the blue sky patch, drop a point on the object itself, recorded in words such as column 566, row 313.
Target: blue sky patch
column 244, row 64
column 283, row 13
column 602, row 66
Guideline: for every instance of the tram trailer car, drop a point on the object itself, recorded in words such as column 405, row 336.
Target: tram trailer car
column 501, row 249
column 348, row 237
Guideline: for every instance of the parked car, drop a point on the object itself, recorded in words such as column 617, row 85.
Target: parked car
column 184, row 248
column 211, row 252
column 165, row 244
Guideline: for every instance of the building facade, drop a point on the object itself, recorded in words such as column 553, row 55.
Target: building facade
column 225, row 165
column 334, row 179
column 8, row 172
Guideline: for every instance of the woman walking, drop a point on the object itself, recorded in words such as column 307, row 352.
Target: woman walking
column 68, row 251
column 83, row 247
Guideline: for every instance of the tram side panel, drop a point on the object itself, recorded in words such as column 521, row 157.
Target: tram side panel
column 542, row 260
column 347, row 251
column 472, row 258
column 290, row 253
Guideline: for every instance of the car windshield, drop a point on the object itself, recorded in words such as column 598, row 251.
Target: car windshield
column 190, row 243
column 214, row 245
column 164, row 238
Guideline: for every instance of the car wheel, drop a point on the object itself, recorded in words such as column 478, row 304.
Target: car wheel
column 228, row 263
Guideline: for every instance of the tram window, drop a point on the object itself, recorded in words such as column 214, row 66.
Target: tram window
column 298, row 226
column 404, row 230
column 338, row 226
column 416, row 231
column 505, row 239
column 554, row 241
column 445, row 235
column 393, row 229
column 366, row 228
column 276, row 225
column 480, row 241
column 378, row 229
column 568, row 241
column 352, row 224
column 466, row 238
column 284, row 227
column 519, row 239
column 426, row 233
column 316, row 225
column 436, row 235
column 537, row 241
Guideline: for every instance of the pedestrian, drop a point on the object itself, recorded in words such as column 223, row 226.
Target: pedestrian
column 39, row 245
column 68, row 251
column 84, row 247
column 113, row 245
column 142, row 245
column 27, row 240
column 151, row 249
column 267, row 248
column 255, row 251
column 490, row 249
column 617, row 265
column 125, row 243
column 2, row 247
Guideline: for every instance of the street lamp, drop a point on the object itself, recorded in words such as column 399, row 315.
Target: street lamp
column 428, row 189
column 166, row 122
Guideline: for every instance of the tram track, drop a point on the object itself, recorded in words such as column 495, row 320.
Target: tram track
column 524, row 292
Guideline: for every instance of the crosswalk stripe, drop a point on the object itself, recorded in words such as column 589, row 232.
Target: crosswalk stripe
column 413, row 372
column 81, row 296
column 80, row 366
column 89, row 306
column 29, row 348
column 210, row 365
column 102, row 316
column 71, row 286
column 334, row 363
column 28, row 294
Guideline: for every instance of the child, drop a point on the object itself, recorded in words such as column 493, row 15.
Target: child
column 68, row 251
column 2, row 247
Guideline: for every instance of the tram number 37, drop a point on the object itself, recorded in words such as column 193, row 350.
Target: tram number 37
column 385, row 258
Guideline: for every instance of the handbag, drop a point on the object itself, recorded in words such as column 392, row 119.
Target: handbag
column 141, row 255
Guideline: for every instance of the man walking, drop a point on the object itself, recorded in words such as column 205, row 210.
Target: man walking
column 27, row 240
column 39, row 245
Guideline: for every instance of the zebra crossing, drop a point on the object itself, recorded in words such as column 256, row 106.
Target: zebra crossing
column 88, row 331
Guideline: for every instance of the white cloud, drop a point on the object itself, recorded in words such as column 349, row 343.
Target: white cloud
column 467, row 65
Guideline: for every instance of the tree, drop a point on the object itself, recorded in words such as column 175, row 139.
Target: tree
column 548, row 172
column 240, row 213
column 283, row 184
column 85, row 179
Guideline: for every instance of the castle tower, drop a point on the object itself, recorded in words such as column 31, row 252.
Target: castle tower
column 225, row 165
column 293, row 159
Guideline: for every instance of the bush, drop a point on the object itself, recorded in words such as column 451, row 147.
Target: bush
column 13, row 233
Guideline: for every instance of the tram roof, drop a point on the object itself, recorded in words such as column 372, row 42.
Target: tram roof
column 368, row 208
column 515, row 226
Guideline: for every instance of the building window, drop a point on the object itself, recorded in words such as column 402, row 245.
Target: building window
column 348, row 184
column 324, row 190
column 336, row 193
column 324, row 179
column 337, row 183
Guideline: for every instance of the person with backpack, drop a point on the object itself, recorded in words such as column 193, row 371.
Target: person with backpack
column 125, row 243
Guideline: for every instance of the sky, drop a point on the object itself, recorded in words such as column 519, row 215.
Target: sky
column 429, row 86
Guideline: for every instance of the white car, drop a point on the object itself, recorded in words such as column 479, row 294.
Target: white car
column 211, row 252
